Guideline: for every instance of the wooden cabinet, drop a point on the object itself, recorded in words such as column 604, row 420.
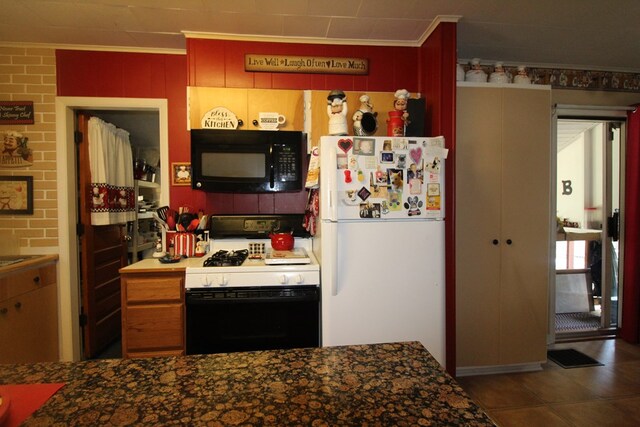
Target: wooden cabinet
column 503, row 225
column 246, row 104
column 152, row 314
column 29, row 315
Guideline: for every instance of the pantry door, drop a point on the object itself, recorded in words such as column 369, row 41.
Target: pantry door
column 103, row 251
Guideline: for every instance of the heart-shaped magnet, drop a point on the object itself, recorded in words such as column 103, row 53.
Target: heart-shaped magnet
column 416, row 155
column 345, row 145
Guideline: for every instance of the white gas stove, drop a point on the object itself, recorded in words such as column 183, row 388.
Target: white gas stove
column 233, row 261
column 236, row 299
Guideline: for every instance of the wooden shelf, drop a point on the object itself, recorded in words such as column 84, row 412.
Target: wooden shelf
column 147, row 184
column 142, row 247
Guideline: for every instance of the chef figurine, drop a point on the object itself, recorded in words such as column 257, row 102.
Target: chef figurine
column 337, row 111
column 400, row 104
column 365, row 107
column 475, row 73
column 522, row 77
column 498, row 75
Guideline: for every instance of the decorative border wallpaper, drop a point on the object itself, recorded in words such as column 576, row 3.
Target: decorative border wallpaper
column 575, row 79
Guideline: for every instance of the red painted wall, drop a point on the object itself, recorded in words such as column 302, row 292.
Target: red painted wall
column 437, row 80
column 630, row 330
column 134, row 75
column 220, row 63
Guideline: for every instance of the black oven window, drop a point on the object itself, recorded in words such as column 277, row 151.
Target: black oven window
column 233, row 322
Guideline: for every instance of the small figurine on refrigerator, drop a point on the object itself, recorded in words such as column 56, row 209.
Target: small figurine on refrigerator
column 337, row 111
column 364, row 119
column 400, row 104
column 399, row 117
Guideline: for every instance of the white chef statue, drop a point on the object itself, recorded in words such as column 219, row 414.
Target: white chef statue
column 400, row 104
column 365, row 107
column 337, row 111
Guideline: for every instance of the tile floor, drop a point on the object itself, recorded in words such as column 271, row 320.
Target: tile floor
column 606, row 395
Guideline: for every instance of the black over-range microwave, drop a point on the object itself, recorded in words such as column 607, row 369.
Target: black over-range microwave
column 246, row 161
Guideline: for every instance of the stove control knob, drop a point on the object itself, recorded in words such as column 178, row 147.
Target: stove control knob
column 223, row 280
column 207, row 282
column 283, row 279
column 299, row 279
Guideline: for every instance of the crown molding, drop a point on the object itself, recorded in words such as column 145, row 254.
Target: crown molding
column 434, row 24
column 296, row 40
column 95, row 48
column 324, row 40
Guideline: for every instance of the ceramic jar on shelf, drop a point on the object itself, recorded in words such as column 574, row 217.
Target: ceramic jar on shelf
column 522, row 77
column 459, row 73
column 475, row 73
column 498, row 75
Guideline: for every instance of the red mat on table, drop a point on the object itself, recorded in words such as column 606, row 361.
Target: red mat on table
column 25, row 399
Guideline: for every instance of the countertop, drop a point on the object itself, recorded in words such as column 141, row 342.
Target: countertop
column 381, row 384
column 30, row 261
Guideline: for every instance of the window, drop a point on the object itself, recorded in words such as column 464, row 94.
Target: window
column 571, row 254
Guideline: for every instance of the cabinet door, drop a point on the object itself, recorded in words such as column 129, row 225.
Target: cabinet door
column 478, row 216
column 156, row 327
column 526, row 222
column 153, row 314
column 203, row 99
column 29, row 327
column 25, row 281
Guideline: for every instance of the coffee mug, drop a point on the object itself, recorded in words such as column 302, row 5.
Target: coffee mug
column 270, row 121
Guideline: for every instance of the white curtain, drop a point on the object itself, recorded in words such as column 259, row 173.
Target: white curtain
column 112, row 197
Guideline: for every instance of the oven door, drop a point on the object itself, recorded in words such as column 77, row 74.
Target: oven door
column 254, row 318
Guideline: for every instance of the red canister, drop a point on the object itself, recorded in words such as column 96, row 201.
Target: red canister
column 395, row 124
column 185, row 244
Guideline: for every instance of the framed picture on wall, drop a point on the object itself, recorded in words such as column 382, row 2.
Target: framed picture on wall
column 181, row 173
column 16, row 195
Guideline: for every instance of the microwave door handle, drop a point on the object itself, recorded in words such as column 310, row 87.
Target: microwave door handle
column 271, row 167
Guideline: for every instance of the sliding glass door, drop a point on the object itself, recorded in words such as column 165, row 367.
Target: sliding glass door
column 588, row 195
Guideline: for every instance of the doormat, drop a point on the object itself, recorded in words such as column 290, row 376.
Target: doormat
column 570, row 358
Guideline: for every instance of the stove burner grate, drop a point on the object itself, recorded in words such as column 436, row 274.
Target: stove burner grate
column 224, row 258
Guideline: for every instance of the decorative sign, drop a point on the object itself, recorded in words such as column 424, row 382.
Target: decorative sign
column 305, row 64
column 16, row 112
column 14, row 152
column 16, row 195
column 219, row 118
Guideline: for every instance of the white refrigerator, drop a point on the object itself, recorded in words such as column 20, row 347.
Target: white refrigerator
column 381, row 241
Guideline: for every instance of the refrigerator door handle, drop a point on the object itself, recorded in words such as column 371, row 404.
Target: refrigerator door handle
column 332, row 240
column 328, row 179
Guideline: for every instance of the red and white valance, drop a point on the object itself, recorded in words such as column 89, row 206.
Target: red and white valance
column 112, row 197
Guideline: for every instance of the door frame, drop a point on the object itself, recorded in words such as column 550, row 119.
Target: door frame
column 586, row 112
column 69, row 299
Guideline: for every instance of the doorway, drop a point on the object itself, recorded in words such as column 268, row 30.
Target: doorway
column 69, row 269
column 589, row 191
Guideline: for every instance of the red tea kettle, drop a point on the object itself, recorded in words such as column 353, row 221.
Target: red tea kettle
column 282, row 241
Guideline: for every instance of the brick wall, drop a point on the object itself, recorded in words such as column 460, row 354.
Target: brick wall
column 29, row 74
